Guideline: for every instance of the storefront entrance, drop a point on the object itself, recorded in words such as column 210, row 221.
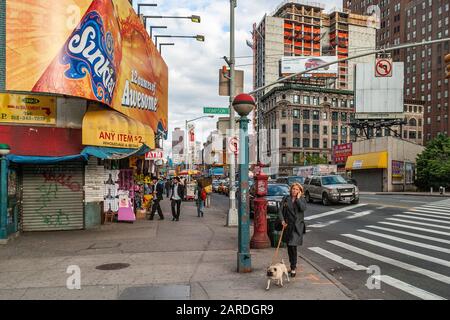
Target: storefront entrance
column 53, row 197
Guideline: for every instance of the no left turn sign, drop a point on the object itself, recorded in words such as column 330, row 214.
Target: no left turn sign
column 383, row 68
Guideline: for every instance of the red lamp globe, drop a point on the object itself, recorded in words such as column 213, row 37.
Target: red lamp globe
column 243, row 104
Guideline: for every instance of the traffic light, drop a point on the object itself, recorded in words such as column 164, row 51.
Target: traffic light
column 447, row 61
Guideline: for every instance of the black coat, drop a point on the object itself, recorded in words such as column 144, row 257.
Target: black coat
column 159, row 190
column 293, row 213
column 180, row 191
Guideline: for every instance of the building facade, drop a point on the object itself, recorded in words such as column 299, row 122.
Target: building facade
column 307, row 121
column 405, row 21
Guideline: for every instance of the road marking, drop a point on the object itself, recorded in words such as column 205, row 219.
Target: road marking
column 399, row 264
column 352, row 265
column 431, row 210
column 325, row 214
column 419, row 223
column 355, row 216
column 414, row 243
column 417, row 292
column 436, row 206
column 420, row 218
column 416, row 228
column 428, row 215
column 410, row 234
column 406, row 287
column 399, row 250
column 410, row 201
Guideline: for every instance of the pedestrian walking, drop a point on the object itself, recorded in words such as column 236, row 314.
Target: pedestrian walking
column 176, row 196
column 167, row 185
column 200, row 197
column 292, row 214
column 158, row 191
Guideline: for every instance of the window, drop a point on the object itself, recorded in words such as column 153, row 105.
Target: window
column 283, row 114
column 297, row 157
column 316, row 143
column 296, row 143
column 335, row 116
column 296, row 99
column 343, row 116
column 324, row 115
column 325, row 129
column 325, row 143
column 344, row 131
column 296, row 113
column 305, row 143
column 283, row 158
column 306, row 128
column 306, row 99
column 316, row 115
column 343, row 103
column 335, row 130
column 296, row 128
column 412, row 135
column 316, row 128
column 283, row 128
column 306, row 114
column 283, row 142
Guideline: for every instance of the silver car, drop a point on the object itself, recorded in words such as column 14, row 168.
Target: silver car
column 330, row 189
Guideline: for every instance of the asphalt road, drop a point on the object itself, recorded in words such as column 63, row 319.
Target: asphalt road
column 388, row 247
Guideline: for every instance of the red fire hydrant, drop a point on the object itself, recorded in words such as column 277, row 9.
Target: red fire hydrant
column 260, row 239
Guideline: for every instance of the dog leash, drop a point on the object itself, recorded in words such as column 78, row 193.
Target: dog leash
column 279, row 244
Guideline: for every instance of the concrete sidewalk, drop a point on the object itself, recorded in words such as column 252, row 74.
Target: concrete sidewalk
column 194, row 258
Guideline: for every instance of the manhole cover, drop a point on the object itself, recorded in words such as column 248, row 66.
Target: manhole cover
column 113, row 266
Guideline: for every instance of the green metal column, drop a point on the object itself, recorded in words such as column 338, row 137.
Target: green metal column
column 244, row 257
column 3, row 198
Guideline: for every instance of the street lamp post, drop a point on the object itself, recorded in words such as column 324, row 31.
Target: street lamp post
column 145, row 5
column 188, row 163
column 154, row 27
column 4, row 150
column 232, row 212
column 243, row 104
column 198, row 37
column 164, row 44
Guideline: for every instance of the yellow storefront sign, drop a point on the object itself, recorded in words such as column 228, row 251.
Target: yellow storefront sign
column 376, row 160
column 108, row 128
column 27, row 109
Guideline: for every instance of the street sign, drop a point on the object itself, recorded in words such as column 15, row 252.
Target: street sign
column 383, row 68
column 233, row 145
column 216, row 111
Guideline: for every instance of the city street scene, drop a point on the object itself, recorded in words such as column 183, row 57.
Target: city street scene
column 224, row 150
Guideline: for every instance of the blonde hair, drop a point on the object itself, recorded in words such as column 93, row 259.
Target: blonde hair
column 296, row 184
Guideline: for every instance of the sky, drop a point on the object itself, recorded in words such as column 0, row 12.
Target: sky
column 194, row 66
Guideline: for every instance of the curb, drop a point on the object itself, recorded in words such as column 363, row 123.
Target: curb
column 327, row 275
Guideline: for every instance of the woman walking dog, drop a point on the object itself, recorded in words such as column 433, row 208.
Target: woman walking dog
column 291, row 214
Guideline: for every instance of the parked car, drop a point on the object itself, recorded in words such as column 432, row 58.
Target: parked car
column 290, row 180
column 215, row 185
column 330, row 189
column 275, row 193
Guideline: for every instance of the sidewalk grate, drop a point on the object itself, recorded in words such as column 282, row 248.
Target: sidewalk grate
column 164, row 292
column 112, row 266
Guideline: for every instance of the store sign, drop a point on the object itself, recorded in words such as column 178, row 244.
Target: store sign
column 357, row 164
column 342, row 152
column 154, row 155
column 97, row 50
column 27, row 109
column 397, row 172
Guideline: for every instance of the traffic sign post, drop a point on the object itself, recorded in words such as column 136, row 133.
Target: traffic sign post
column 225, row 111
column 383, row 68
column 233, row 145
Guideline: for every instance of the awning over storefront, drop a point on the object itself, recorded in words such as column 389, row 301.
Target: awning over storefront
column 377, row 160
column 99, row 152
column 109, row 128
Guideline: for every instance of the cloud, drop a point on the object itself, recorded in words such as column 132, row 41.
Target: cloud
column 193, row 66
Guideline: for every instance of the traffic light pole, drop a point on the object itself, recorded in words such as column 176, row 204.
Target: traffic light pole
column 403, row 46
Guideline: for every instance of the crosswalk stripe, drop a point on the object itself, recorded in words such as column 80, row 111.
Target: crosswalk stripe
column 406, row 287
column 399, row 264
column 400, row 250
column 419, row 223
column 329, row 213
column 414, row 243
column 352, row 265
column 416, row 235
column 433, row 205
column 420, row 218
column 428, row 215
column 430, row 210
column 416, row 228
column 417, row 292
column 354, row 216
